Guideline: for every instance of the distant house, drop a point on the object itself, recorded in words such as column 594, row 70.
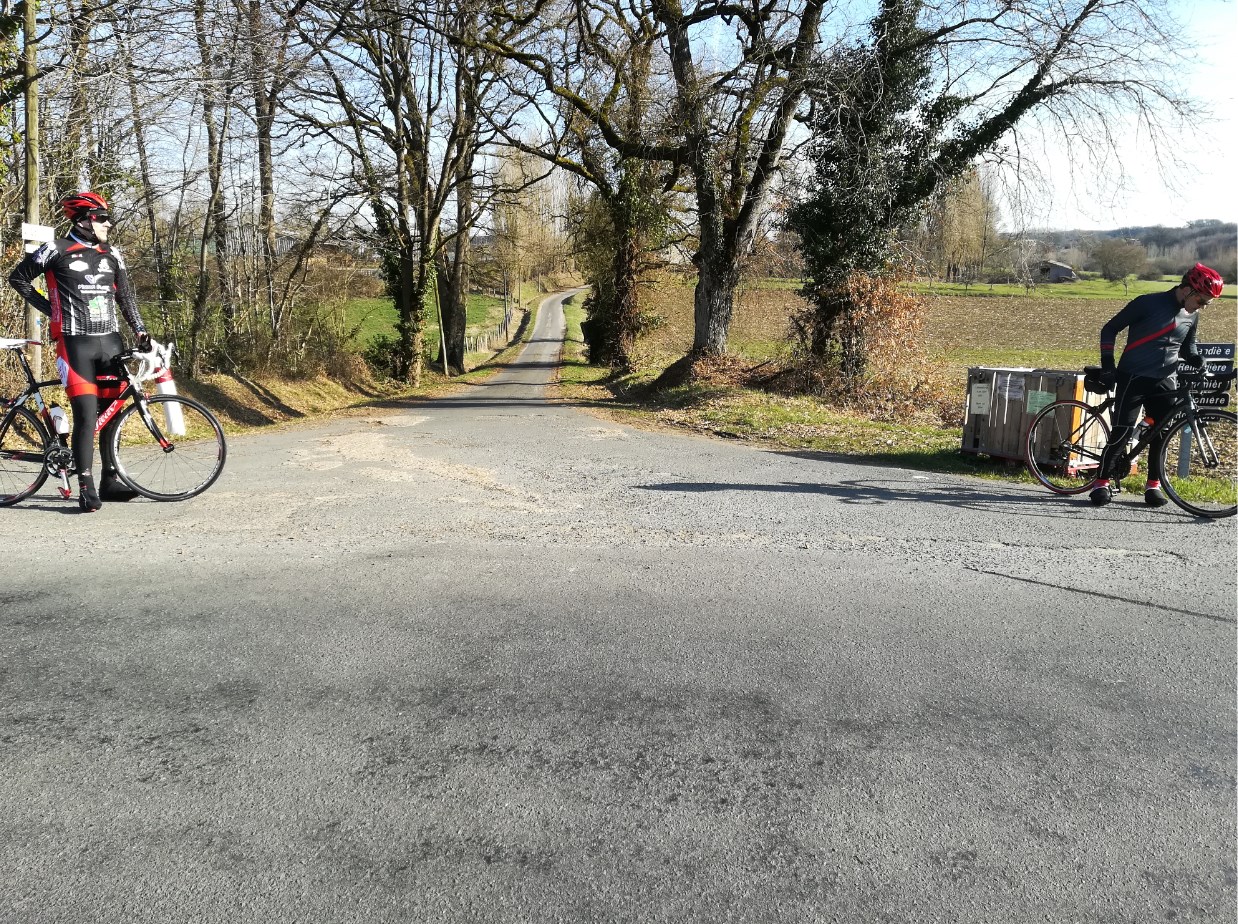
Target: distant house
column 1052, row 271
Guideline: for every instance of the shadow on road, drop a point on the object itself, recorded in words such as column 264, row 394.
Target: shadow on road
column 860, row 491
column 1114, row 598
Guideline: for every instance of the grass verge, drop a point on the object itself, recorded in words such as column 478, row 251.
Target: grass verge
column 795, row 423
column 243, row 404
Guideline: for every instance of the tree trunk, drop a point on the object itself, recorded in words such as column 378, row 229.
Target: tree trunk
column 79, row 120
column 264, row 119
column 163, row 271
column 627, row 302
column 714, row 302
column 409, row 303
column 216, row 137
column 455, row 302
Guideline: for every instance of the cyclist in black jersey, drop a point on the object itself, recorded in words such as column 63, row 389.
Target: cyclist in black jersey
column 1160, row 330
column 86, row 284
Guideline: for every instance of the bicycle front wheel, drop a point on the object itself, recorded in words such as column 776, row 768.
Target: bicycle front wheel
column 1199, row 464
column 1064, row 445
column 23, row 448
column 178, row 459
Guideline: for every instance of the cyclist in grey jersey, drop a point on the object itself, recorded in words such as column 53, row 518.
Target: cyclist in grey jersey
column 1160, row 330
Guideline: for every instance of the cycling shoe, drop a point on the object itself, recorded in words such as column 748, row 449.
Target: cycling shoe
column 87, row 496
column 112, row 488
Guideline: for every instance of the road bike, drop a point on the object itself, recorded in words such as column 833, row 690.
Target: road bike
column 1199, row 457
column 166, row 447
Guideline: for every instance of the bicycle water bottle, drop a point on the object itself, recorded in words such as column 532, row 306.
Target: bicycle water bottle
column 171, row 409
column 60, row 420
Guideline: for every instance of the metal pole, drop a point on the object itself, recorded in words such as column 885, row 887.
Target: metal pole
column 1184, row 454
column 30, row 70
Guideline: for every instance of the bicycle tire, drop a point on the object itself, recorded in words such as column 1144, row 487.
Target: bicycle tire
column 188, row 465
column 23, row 450
column 1063, row 446
column 1205, row 483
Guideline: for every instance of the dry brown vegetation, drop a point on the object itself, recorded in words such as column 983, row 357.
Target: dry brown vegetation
column 927, row 378
column 960, row 331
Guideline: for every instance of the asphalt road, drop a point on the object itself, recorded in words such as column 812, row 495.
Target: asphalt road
column 490, row 658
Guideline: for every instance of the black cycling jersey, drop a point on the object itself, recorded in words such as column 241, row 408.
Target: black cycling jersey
column 1160, row 331
column 85, row 284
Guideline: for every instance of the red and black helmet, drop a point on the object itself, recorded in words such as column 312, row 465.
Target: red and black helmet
column 1204, row 280
column 81, row 204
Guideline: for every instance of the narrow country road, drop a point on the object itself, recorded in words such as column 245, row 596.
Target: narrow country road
column 489, row 658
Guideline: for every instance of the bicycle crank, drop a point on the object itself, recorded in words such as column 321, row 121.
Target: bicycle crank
column 59, row 462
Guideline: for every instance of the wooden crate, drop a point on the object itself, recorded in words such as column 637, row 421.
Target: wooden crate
column 1001, row 404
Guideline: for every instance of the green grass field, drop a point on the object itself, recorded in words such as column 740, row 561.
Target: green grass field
column 374, row 317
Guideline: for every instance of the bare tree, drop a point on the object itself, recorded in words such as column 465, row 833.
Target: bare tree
column 933, row 88
column 739, row 76
column 405, row 105
column 613, row 69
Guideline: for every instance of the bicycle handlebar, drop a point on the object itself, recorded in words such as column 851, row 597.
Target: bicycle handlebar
column 152, row 363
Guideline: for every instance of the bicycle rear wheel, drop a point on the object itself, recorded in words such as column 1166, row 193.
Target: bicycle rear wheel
column 23, row 446
column 1199, row 465
column 1064, row 445
column 169, row 463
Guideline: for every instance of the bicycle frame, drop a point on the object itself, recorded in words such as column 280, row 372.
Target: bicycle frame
column 59, row 454
column 33, row 391
column 1184, row 405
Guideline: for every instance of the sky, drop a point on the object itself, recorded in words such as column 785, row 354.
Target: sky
column 1204, row 182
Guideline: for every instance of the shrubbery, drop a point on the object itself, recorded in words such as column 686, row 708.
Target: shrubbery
column 860, row 344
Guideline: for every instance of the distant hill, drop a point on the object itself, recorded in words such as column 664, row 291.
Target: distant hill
column 1172, row 250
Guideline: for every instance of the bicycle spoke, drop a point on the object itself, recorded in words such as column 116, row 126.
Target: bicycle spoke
column 182, row 459
column 22, row 447
column 1201, row 465
column 1064, row 446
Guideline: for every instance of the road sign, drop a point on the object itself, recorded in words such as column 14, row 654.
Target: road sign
column 1215, row 351
column 1218, row 360
column 1205, row 386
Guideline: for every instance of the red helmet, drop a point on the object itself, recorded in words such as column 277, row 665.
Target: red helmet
column 1204, row 280
column 78, row 205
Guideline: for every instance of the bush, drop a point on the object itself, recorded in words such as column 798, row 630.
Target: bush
column 860, row 346
column 379, row 355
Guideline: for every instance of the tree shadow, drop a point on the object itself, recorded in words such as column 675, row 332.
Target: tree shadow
column 224, row 404
column 876, row 491
column 942, row 461
column 268, row 397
